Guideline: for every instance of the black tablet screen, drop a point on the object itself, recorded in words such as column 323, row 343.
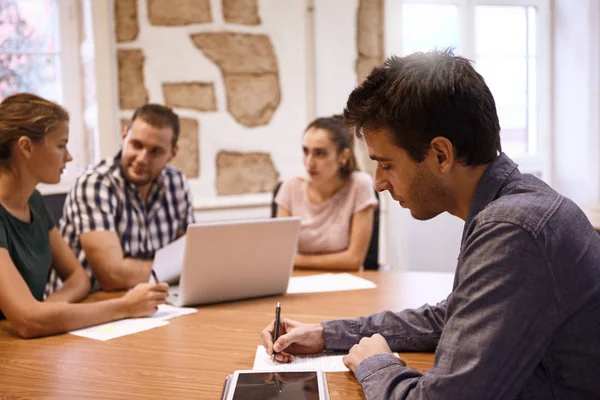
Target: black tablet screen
column 277, row 385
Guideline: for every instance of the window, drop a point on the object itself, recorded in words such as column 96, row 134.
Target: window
column 39, row 50
column 509, row 42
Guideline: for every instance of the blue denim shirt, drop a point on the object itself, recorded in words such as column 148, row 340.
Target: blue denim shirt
column 523, row 318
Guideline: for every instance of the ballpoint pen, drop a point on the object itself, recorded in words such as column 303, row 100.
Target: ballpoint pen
column 276, row 328
column 154, row 276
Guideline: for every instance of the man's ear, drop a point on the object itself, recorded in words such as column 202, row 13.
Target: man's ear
column 124, row 133
column 25, row 146
column 443, row 151
column 173, row 152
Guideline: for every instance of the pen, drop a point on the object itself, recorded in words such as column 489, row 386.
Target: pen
column 276, row 328
column 154, row 276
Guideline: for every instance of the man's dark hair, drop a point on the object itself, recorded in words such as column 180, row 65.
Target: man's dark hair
column 158, row 116
column 424, row 95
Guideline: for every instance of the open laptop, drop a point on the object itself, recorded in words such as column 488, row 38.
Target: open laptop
column 223, row 261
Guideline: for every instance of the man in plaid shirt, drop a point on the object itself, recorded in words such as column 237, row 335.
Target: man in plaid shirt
column 126, row 207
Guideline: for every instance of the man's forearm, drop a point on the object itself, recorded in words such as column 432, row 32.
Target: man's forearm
column 136, row 270
column 128, row 273
column 408, row 330
column 73, row 290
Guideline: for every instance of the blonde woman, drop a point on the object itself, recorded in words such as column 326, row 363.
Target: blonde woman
column 34, row 133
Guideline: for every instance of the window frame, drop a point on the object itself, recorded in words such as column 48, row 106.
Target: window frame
column 71, row 98
column 540, row 163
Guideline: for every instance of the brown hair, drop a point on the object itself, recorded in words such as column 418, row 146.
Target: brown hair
column 424, row 95
column 341, row 137
column 158, row 116
column 26, row 114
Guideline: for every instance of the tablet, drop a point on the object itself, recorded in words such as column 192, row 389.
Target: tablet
column 291, row 385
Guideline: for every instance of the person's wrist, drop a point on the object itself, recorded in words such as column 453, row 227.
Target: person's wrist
column 320, row 332
column 123, row 307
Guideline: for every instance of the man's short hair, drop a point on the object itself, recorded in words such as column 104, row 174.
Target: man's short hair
column 424, row 95
column 158, row 116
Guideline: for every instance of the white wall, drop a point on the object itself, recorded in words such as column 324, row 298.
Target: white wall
column 576, row 107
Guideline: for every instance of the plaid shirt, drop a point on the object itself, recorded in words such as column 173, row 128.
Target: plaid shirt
column 103, row 200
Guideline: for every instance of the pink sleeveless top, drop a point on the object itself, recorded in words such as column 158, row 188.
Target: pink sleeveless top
column 325, row 227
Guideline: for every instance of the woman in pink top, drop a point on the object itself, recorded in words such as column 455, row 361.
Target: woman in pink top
column 335, row 200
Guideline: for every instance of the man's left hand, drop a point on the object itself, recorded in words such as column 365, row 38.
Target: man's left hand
column 366, row 348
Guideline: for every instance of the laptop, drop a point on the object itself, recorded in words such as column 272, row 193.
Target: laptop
column 224, row 261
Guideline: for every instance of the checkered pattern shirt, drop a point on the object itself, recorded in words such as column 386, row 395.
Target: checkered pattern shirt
column 103, row 200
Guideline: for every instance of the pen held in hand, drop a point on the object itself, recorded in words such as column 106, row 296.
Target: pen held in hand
column 154, row 277
column 276, row 327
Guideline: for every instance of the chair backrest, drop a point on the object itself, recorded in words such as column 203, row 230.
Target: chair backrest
column 54, row 204
column 273, row 204
column 372, row 258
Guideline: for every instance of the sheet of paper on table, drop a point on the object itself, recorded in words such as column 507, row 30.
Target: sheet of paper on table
column 168, row 261
column 130, row 326
column 323, row 362
column 328, row 283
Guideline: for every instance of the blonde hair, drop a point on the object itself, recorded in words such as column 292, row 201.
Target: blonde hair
column 29, row 115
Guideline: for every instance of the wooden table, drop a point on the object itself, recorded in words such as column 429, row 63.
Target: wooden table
column 190, row 357
column 593, row 213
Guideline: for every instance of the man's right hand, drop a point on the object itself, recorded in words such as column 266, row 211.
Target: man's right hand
column 295, row 338
column 144, row 298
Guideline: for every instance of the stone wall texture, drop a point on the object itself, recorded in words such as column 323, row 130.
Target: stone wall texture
column 239, row 173
column 126, row 20
column 132, row 93
column 188, row 155
column 241, row 12
column 179, row 12
column 250, row 73
column 193, row 95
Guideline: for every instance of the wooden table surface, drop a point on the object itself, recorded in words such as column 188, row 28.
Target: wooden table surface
column 593, row 213
column 190, row 357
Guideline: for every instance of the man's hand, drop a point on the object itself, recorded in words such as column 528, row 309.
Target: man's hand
column 366, row 348
column 295, row 338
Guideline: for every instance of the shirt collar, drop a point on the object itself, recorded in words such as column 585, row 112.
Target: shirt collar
column 493, row 180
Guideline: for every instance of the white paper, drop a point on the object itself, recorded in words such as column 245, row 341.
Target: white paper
column 168, row 261
column 166, row 312
column 130, row 326
column 120, row 328
column 327, row 283
column 323, row 362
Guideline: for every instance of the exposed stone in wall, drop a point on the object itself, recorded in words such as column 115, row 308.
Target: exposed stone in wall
column 252, row 100
column 194, row 95
column 179, row 12
column 241, row 173
column 369, row 37
column 126, row 20
column 369, row 47
column 241, row 12
column 250, row 73
column 132, row 93
column 188, row 156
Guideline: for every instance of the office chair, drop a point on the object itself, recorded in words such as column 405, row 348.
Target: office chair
column 372, row 257
column 54, row 205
